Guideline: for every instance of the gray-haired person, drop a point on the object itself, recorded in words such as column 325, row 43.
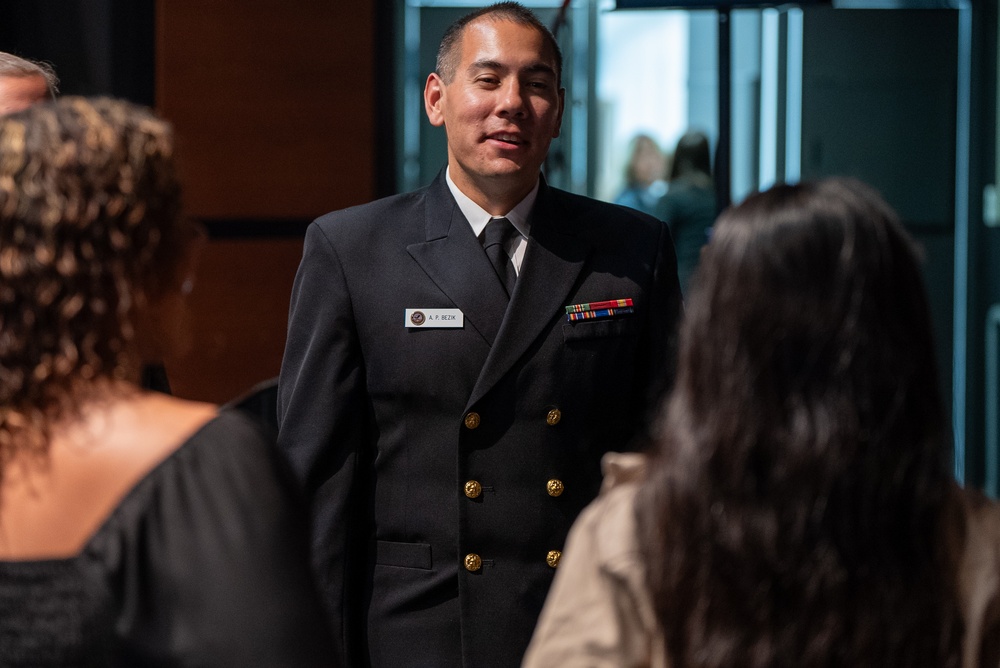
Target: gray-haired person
column 25, row 82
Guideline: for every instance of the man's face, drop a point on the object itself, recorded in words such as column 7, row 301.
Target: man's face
column 17, row 93
column 501, row 109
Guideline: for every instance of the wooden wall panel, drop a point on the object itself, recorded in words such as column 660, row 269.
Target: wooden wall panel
column 240, row 310
column 273, row 107
column 272, row 102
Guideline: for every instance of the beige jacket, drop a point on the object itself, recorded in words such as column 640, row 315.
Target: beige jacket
column 599, row 614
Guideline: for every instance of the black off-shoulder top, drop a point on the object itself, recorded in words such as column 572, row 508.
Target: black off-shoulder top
column 205, row 562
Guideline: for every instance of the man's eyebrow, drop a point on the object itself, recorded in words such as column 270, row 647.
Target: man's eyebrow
column 542, row 68
column 538, row 67
column 485, row 65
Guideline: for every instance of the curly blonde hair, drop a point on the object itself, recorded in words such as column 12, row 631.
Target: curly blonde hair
column 90, row 228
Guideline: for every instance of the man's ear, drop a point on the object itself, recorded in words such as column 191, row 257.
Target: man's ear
column 433, row 92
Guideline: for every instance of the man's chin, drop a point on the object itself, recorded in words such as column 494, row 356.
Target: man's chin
column 505, row 168
column 499, row 175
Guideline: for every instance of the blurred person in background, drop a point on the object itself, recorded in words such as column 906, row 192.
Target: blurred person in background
column 644, row 174
column 689, row 207
column 24, row 82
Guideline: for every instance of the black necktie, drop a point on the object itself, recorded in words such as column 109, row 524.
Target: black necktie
column 497, row 236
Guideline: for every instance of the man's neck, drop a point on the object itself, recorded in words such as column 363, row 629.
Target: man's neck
column 497, row 197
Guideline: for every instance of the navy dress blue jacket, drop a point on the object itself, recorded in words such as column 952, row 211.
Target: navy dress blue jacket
column 446, row 465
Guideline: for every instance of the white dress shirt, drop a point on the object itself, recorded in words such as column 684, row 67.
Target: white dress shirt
column 478, row 217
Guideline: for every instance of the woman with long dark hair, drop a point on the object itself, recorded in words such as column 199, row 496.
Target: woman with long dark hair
column 800, row 509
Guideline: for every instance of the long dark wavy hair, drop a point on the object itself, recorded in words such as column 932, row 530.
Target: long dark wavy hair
column 797, row 510
column 90, row 229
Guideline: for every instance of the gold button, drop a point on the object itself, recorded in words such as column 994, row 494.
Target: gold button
column 553, row 416
column 472, row 420
column 473, row 562
column 552, row 558
column 473, row 489
column 555, row 487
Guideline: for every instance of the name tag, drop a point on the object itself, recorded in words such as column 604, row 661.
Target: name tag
column 434, row 318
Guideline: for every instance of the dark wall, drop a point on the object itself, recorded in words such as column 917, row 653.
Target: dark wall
column 98, row 47
column 274, row 109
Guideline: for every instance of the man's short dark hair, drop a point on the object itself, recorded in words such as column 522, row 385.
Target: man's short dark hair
column 515, row 12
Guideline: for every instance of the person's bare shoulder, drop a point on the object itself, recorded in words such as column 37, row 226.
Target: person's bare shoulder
column 52, row 504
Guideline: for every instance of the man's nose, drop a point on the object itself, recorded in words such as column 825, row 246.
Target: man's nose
column 512, row 101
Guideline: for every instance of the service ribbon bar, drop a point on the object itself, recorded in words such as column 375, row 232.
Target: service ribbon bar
column 599, row 313
column 612, row 304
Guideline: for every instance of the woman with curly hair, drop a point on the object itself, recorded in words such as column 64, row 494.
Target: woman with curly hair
column 800, row 509
column 135, row 528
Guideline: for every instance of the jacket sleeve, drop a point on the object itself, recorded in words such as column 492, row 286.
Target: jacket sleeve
column 324, row 425
column 659, row 345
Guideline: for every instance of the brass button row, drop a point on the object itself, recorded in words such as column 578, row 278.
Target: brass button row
column 473, row 420
column 474, row 488
column 473, row 562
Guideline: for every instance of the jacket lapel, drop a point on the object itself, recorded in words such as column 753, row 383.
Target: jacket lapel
column 454, row 259
column 553, row 261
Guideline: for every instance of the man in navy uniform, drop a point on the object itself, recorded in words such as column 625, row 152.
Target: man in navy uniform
column 459, row 358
